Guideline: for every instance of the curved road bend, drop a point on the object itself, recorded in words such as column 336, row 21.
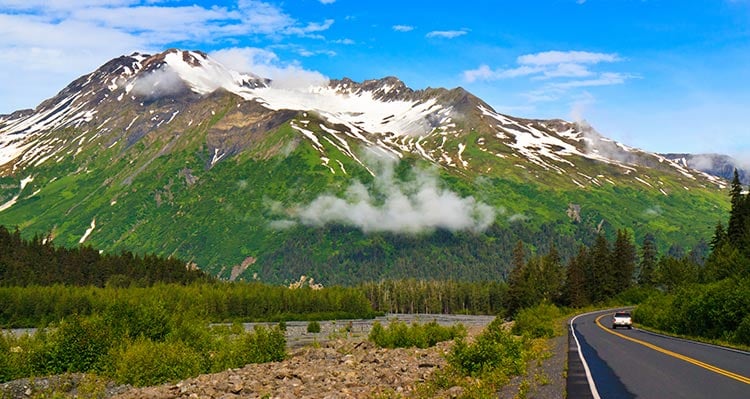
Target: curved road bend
column 635, row 364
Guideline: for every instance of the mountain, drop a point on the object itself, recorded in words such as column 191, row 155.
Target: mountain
column 714, row 164
column 246, row 177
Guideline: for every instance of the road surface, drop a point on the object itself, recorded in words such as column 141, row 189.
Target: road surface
column 633, row 363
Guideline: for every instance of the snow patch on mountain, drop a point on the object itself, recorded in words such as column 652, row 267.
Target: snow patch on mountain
column 88, row 231
column 13, row 200
column 357, row 111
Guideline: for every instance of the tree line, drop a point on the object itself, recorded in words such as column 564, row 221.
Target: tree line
column 37, row 261
column 216, row 302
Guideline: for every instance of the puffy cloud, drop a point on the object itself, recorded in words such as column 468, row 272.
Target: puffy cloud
column 412, row 206
column 553, row 64
column 266, row 64
column 47, row 43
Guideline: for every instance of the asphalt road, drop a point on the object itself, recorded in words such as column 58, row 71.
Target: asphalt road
column 638, row 364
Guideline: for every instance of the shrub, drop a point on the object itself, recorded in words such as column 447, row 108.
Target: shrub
column 258, row 346
column 495, row 350
column 147, row 320
column 742, row 334
column 76, row 345
column 537, row 322
column 313, row 327
column 399, row 335
column 145, row 363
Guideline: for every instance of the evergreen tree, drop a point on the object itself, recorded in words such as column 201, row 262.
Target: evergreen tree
column 674, row 272
column 725, row 261
column 575, row 281
column 551, row 276
column 720, row 237
column 517, row 280
column 647, row 266
column 737, row 217
column 601, row 284
column 623, row 261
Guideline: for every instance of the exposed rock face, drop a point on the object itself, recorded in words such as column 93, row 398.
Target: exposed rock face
column 339, row 369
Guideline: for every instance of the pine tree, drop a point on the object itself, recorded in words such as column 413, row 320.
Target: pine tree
column 720, row 237
column 552, row 276
column 648, row 263
column 601, row 284
column 517, row 280
column 575, row 281
column 623, row 261
column 737, row 217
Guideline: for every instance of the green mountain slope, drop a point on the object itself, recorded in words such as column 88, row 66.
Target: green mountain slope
column 241, row 188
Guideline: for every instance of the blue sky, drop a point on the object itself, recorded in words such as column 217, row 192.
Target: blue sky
column 666, row 76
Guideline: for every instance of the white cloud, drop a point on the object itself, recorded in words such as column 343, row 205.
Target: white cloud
column 48, row 43
column 266, row 64
column 604, row 79
column 446, row 34
column 327, row 1
column 565, row 70
column 553, row 65
column 566, row 57
column 484, row 72
column 403, row 28
column 404, row 206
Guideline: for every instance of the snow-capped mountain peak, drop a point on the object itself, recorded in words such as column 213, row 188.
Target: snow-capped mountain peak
column 379, row 112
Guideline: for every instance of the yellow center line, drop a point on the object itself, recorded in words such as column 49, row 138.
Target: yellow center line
column 698, row 363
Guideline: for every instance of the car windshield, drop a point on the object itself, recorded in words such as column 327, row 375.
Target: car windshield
column 622, row 314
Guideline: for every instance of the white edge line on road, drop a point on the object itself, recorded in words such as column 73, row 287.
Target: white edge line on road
column 592, row 385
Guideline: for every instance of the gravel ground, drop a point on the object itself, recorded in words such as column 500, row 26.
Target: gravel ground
column 363, row 370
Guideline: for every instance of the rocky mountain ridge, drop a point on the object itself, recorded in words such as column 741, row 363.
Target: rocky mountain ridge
column 176, row 154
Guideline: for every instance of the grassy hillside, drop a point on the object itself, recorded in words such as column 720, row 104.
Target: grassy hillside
column 166, row 194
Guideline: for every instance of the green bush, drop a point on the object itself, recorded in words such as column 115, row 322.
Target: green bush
column 244, row 347
column 399, row 335
column 715, row 311
column 77, row 344
column 22, row 356
column 495, row 350
column 147, row 320
column 537, row 322
column 742, row 334
column 313, row 327
column 145, row 363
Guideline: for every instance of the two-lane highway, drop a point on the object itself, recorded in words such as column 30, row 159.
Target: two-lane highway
column 636, row 364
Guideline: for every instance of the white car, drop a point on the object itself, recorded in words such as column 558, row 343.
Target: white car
column 622, row 319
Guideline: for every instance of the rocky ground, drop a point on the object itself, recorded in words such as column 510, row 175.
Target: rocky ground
column 339, row 369
column 343, row 367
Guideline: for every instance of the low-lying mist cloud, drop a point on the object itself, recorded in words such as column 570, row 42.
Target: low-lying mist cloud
column 418, row 204
column 598, row 144
column 158, row 83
